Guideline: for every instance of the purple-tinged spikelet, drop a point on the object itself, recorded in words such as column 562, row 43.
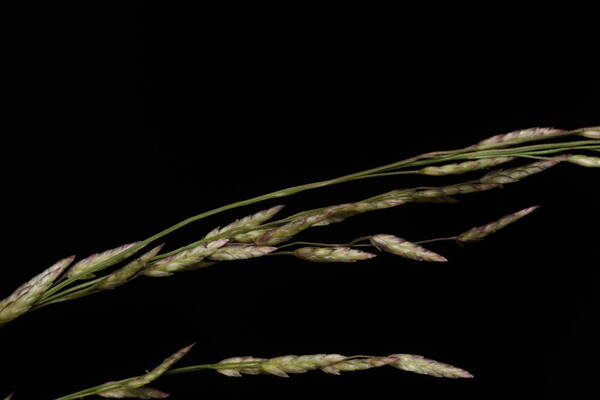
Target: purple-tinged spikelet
column 89, row 263
column 518, row 173
column 285, row 232
column 25, row 297
column 342, row 211
column 520, row 136
column 185, row 260
column 248, row 221
column 404, row 248
column 480, row 232
column 331, row 254
column 422, row 365
column 129, row 271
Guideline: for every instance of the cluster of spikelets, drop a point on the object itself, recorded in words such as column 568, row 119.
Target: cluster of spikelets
column 136, row 387
column 253, row 236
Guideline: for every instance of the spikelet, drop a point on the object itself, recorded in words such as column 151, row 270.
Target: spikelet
column 240, row 252
column 518, row 173
column 585, row 161
column 326, row 216
column 285, row 232
column 443, row 192
column 340, row 212
column 331, row 254
column 422, row 365
column 249, row 237
column 140, row 382
column 185, row 260
column 592, row 133
column 135, row 393
column 404, row 248
column 467, row 166
column 25, row 297
column 247, row 222
column 521, row 136
column 89, row 263
column 10, row 396
column 238, row 371
column 336, row 363
column 129, row 271
column 355, row 364
column 482, row 231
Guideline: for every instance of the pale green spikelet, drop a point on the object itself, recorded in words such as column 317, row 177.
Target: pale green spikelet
column 404, row 248
column 480, row 232
column 240, row 252
column 238, row 371
column 185, row 260
column 248, row 221
column 129, row 271
column 25, row 297
column 521, row 136
column 331, row 254
column 143, row 392
column 518, row 173
column 584, row 161
column 467, row 166
column 591, row 133
column 422, row 365
column 89, row 263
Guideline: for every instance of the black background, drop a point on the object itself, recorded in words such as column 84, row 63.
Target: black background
column 125, row 120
